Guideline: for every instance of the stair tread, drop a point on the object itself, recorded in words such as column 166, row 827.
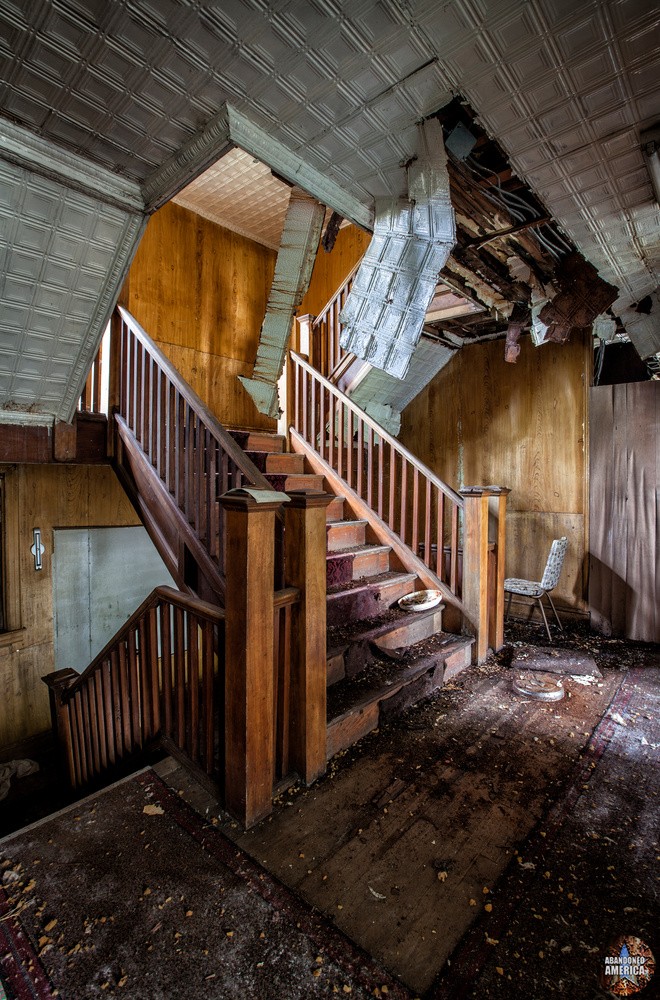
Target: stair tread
column 370, row 581
column 358, row 550
column 371, row 628
column 385, row 677
column 348, row 523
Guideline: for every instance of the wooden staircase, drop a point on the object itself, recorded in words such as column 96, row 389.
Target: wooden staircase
column 380, row 659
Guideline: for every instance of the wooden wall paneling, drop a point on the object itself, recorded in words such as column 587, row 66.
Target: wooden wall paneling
column 47, row 497
column 200, row 291
column 482, row 421
column 331, row 269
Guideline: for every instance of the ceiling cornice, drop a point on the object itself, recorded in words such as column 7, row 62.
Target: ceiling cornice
column 25, row 149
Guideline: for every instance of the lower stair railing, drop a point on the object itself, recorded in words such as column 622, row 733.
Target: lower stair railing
column 160, row 678
column 175, row 459
column 236, row 694
column 434, row 531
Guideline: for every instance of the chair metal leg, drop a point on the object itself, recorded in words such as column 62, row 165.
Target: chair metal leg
column 547, row 627
column 552, row 605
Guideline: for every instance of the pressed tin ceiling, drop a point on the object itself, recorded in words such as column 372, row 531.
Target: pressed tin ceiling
column 328, row 93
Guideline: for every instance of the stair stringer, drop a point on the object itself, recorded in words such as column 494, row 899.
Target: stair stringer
column 408, row 560
column 165, row 522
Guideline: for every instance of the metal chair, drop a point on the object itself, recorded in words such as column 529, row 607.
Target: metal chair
column 549, row 580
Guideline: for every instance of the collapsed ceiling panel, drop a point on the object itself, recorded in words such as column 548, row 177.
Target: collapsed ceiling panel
column 385, row 311
column 293, row 269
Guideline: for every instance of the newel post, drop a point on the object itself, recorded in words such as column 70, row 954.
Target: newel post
column 476, row 592
column 305, row 324
column 249, row 617
column 305, row 568
column 57, row 683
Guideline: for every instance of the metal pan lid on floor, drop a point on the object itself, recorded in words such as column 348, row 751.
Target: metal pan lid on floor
column 540, row 686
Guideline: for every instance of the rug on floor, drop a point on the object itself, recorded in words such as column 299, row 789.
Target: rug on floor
column 130, row 893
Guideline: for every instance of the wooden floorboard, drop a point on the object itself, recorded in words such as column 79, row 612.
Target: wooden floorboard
column 403, row 841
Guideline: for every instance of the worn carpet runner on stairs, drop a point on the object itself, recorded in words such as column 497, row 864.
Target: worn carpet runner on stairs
column 130, row 893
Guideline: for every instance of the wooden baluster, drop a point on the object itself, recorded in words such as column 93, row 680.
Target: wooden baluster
column 303, row 393
column 180, row 453
column 340, row 438
column 180, row 676
column 83, row 737
column 427, row 523
column 403, row 527
column 414, row 544
column 370, row 466
column 392, row 472
column 249, row 623
column 440, row 569
column 116, row 704
column 124, row 680
column 76, row 742
column 152, row 668
column 331, row 429
column 134, row 681
column 349, row 446
column 147, row 398
column 86, row 708
column 208, row 702
column 304, row 560
column 453, row 559
column 166, row 667
column 312, row 438
column 94, row 722
column 145, row 687
column 193, row 687
column 381, row 478
column 359, row 454
column 107, row 717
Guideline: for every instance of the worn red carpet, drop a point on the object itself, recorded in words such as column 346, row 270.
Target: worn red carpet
column 131, row 894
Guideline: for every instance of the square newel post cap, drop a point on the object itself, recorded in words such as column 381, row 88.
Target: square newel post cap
column 306, row 499
column 484, row 491
column 252, row 498
column 61, row 679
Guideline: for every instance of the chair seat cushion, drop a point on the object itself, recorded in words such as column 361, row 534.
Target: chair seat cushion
column 528, row 588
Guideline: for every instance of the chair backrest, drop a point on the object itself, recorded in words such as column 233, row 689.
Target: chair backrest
column 555, row 560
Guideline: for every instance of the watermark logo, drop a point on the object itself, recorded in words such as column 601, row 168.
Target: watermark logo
column 628, row 966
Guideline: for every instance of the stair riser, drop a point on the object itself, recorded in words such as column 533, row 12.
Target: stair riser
column 279, row 463
column 258, row 440
column 335, row 510
column 364, row 603
column 344, row 535
column 356, row 566
column 419, row 689
column 303, row 482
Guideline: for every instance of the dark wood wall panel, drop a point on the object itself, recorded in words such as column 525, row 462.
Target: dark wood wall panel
column 624, row 570
column 200, row 291
column 482, row 421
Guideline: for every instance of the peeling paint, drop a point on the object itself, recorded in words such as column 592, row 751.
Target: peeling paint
column 293, row 269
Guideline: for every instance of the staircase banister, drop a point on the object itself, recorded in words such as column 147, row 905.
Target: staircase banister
column 329, row 304
column 451, row 494
column 229, row 445
column 168, row 594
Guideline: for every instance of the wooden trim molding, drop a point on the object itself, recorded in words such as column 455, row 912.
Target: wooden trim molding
column 10, row 555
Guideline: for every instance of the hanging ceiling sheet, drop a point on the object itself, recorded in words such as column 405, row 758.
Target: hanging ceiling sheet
column 385, row 311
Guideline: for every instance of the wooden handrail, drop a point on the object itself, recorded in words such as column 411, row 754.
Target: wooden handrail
column 235, row 452
column 170, row 437
column 382, row 433
column 160, row 678
column 186, row 602
column 408, row 506
column 326, row 352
